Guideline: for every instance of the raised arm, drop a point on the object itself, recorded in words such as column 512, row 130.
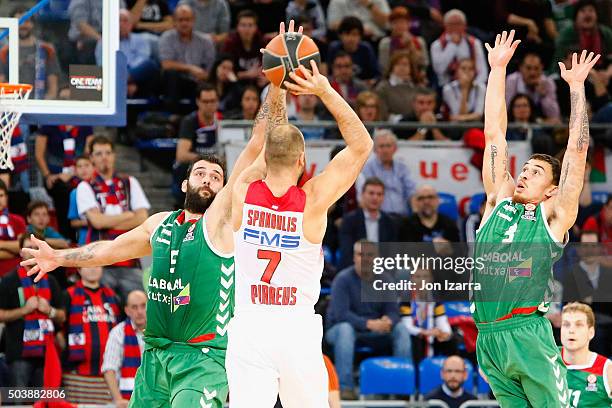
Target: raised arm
column 342, row 171
column 495, row 175
column 132, row 244
column 565, row 204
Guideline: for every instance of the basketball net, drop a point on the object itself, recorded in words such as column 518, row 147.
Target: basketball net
column 11, row 96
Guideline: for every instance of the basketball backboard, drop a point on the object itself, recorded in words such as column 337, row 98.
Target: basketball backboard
column 77, row 79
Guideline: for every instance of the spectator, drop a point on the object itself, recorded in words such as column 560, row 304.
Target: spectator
column 312, row 10
column 373, row 13
column 456, row 44
column 38, row 224
column 426, row 224
column 397, row 91
column 393, row 173
column 152, row 16
column 38, row 63
column 55, row 151
column 11, row 227
column 224, row 80
column 124, row 349
column 343, row 79
column 594, row 88
column 350, row 32
column 307, row 105
column 367, row 222
column 369, row 107
column 143, row 68
column 94, row 311
column 186, row 57
column 243, row 45
column 30, row 312
column 533, row 21
column 482, row 13
column 530, row 80
column 454, row 374
column 601, row 223
column 85, row 30
column 522, row 111
column 308, row 29
column 84, row 172
column 426, row 17
column 350, row 320
column 464, row 97
column 212, row 17
column 586, row 34
column 18, row 179
column 402, row 40
column 249, row 104
column 424, row 106
column 197, row 135
column 426, row 319
column 588, row 282
column 113, row 204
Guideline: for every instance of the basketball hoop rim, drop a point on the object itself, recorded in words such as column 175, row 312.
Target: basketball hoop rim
column 14, row 88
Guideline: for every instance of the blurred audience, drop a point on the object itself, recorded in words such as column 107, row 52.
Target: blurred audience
column 454, row 374
column 367, row 222
column 351, row 321
column 186, row 57
column 312, row 10
column 223, row 78
column 93, row 312
column 343, row 79
column 362, row 53
column 249, row 104
column 424, row 111
column 464, row 97
column 373, row 13
column 151, row 16
column 211, row 17
column 11, row 227
column 392, row 171
column 83, row 172
column 124, row 349
column 397, row 90
column 307, row 112
column 401, row 39
column 38, row 224
column 456, row 44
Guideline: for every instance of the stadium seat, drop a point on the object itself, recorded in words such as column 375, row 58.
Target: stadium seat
column 387, row 375
column 55, row 10
column 448, row 206
column 600, row 197
column 429, row 374
column 476, row 201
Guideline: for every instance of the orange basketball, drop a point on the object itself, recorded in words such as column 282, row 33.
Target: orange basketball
column 285, row 53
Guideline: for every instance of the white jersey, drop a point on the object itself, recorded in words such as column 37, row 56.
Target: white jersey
column 276, row 267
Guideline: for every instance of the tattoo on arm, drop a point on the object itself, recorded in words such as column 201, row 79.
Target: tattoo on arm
column 506, row 172
column 564, row 178
column 583, row 140
column 493, row 155
column 85, row 253
column 579, row 118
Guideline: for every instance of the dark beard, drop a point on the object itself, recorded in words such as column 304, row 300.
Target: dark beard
column 195, row 203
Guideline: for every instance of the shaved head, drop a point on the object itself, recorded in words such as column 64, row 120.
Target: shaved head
column 284, row 146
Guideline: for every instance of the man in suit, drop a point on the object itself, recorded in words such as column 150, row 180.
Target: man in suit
column 369, row 221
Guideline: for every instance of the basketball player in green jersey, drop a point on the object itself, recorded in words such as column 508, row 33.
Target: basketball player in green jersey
column 191, row 286
column 589, row 375
column 522, row 234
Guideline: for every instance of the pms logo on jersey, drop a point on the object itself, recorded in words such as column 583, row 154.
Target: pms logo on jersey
column 271, row 239
column 591, row 383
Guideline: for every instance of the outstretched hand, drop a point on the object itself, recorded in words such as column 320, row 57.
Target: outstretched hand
column 41, row 261
column 281, row 30
column 580, row 70
column 502, row 52
column 311, row 84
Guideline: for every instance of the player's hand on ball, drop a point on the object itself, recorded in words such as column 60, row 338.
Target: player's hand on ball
column 312, row 84
column 504, row 48
column 42, row 260
column 580, row 69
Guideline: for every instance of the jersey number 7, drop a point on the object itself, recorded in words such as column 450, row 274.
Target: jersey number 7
column 274, row 258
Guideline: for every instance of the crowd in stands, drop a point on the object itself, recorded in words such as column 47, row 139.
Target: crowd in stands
column 416, row 61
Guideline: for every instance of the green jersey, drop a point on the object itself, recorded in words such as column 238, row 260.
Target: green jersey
column 514, row 252
column 588, row 384
column 190, row 289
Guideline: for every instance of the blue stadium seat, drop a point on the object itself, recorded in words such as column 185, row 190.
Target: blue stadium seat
column 55, row 10
column 429, row 374
column 387, row 375
column 448, row 206
column 483, row 386
column 475, row 202
column 600, row 197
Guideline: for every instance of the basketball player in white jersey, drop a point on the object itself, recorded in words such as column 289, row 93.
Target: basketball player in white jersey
column 274, row 343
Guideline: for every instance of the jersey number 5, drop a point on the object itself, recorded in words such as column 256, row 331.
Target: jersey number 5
column 274, row 259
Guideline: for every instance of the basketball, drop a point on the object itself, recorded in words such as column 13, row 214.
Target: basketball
column 285, row 53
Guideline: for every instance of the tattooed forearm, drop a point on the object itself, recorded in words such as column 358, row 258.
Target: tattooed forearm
column 583, row 139
column 563, row 183
column 86, row 253
column 579, row 120
column 493, row 155
column 506, row 172
column 574, row 98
